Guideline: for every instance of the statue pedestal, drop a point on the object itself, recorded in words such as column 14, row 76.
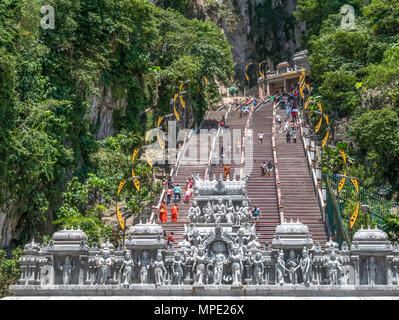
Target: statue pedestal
column 248, row 281
column 187, row 281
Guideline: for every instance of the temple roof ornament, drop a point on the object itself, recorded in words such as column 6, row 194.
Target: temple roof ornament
column 70, row 235
column 370, row 234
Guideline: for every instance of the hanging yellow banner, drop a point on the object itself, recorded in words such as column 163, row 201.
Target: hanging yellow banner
column 182, row 102
column 135, row 152
column 149, row 160
column 160, row 141
column 181, row 86
column 343, row 155
column 318, row 125
column 326, row 117
column 120, row 218
column 246, row 76
column 135, row 181
column 176, row 114
column 301, row 92
column 260, row 71
column 323, row 143
column 137, row 184
column 206, row 80
column 175, row 97
column 121, row 184
column 341, row 184
column 159, row 121
column 320, row 107
column 354, row 181
column 147, row 135
column 354, row 215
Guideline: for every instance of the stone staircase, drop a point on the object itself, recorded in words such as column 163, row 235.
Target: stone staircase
column 298, row 194
column 262, row 190
column 191, row 164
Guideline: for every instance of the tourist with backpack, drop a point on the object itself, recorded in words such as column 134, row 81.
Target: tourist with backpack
column 177, row 192
column 255, row 215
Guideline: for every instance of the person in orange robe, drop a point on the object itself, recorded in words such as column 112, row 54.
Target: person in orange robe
column 175, row 210
column 163, row 212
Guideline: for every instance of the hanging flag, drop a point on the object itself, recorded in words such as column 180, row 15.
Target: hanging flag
column 159, row 121
column 120, row 218
column 160, row 141
column 136, row 182
column 342, row 182
column 354, row 215
column 176, row 114
column 206, row 80
column 135, row 152
column 323, row 143
column 318, row 125
column 260, row 71
column 147, row 135
column 181, row 86
column 326, row 117
column 147, row 156
column 121, row 184
column 175, row 97
column 354, row 181
column 246, row 76
column 182, row 102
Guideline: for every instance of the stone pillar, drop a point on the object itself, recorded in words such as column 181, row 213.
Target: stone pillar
column 268, row 88
column 285, row 85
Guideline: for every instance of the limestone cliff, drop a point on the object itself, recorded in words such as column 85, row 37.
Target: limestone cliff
column 257, row 30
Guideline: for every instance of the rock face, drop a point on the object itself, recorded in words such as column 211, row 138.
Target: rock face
column 256, row 29
column 101, row 111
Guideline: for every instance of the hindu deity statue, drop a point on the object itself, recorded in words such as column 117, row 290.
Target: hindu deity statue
column 66, row 269
column 258, row 268
column 195, row 212
column 127, row 267
column 144, row 263
column 159, row 270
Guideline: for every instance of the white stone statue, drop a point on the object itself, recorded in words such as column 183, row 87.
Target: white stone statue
column 208, row 213
column 159, row 270
column 306, row 267
column 292, row 266
column 258, row 268
column 66, row 269
column 230, row 212
column 242, row 240
column 220, row 261
column 194, row 237
column 177, row 266
column 333, row 268
column 245, row 212
column 104, row 265
column 144, row 263
column 372, row 271
column 236, row 265
column 194, row 212
column 280, row 268
column 253, row 244
column 127, row 267
column 220, row 211
column 199, row 267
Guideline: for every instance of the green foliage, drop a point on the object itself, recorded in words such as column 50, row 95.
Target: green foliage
column 391, row 226
column 355, row 73
column 9, row 270
column 48, row 79
column 377, row 134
